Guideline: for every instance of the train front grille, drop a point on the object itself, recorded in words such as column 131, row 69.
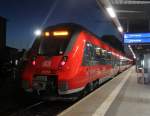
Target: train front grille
column 45, row 85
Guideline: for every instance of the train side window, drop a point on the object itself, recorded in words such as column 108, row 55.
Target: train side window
column 96, row 55
column 104, row 56
column 87, row 54
column 99, row 55
column 108, row 58
column 118, row 62
column 109, row 55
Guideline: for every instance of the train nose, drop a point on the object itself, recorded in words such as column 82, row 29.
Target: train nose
column 39, row 83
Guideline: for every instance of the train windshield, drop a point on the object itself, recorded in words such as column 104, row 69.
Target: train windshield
column 53, row 46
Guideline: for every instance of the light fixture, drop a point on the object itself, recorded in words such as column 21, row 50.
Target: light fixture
column 111, row 12
column 134, row 56
column 120, row 29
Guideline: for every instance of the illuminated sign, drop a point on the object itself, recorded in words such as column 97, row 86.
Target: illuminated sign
column 60, row 33
column 137, row 38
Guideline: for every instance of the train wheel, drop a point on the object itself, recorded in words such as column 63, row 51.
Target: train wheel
column 97, row 83
column 84, row 92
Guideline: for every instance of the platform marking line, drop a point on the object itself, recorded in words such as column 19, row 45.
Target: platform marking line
column 102, row 109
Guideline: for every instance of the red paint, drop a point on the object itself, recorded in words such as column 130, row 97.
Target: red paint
column 68, row 68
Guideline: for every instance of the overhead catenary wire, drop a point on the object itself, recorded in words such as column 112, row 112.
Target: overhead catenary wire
column 50, row 12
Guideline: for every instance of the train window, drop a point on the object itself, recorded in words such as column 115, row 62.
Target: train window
column 108, row 58
column 53, row 46
column 104, row 53
column 109, row 55
column 97, row 51
column 99, row 55
column 118, row 61
column 87, row 54
column 95, row 55
column 123, row 62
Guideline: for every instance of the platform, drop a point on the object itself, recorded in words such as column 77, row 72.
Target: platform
column 122, row 96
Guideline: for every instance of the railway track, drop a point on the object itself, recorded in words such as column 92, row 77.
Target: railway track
column 43, row 108
column 32, row 107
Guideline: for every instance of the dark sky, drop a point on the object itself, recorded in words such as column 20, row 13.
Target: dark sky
column 24, row 16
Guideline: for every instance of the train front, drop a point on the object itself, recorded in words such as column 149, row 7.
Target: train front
column 44, row 61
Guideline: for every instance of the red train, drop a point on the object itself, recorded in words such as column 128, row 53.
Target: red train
column 67, row 60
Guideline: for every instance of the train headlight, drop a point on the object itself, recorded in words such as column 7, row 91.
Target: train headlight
column 47, row 34
column 33, row 62
column 63, row 61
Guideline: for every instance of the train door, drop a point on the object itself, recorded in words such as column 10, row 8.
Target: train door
column 115, row 65
column 87, row 62
column 110, row 64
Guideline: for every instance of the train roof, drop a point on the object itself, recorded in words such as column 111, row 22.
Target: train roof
column 72, row 26
column 113, row 41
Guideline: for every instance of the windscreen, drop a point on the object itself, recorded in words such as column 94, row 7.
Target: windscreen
column 51, row 43
column 53, row 46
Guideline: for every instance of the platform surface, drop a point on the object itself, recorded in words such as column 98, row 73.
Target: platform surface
column 122, row 96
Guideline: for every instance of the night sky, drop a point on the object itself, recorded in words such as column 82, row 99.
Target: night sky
column 24, row 16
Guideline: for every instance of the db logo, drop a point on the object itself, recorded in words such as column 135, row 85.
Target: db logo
column 46, row 64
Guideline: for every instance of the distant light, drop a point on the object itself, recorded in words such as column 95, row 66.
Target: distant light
column 120, row 29
column 134, row 56
column 37, row 32
column 111, row 12
column 142, row 62
column 129, row 46
column 98, row 48
column 47, row 34
column 60, row 33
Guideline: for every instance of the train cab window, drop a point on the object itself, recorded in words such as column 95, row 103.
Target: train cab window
column 54, row 45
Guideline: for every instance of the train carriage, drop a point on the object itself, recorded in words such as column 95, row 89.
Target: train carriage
column 67, row 59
